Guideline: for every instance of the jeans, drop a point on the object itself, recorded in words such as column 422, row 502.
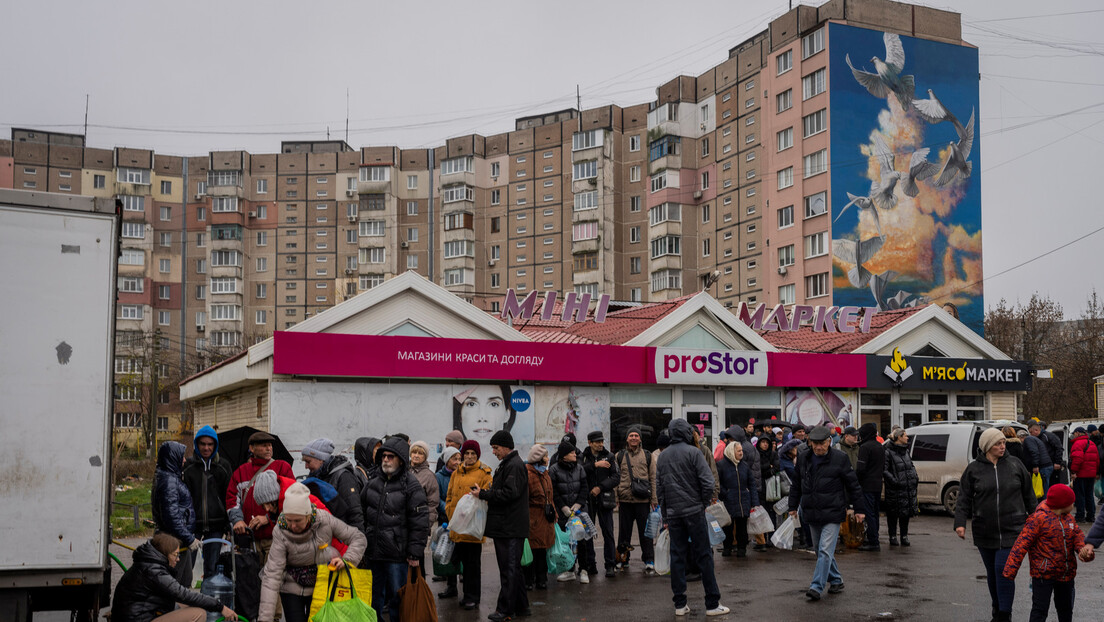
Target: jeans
column 690, row 540
column 1041, row 590
column 469, row 554
column 387, row 578
column 211, row 555
column 826, row 571
column 872, row 519
column 512, row 599
column 1001, row 591
column 604, row 520
column 630, row 513
column 1047, row 472
column 1086, row 502
column 295, row 607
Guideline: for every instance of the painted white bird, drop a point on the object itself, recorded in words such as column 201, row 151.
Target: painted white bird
column 887, row 76
column 881, row 192
column 933, row 111
column 919, row 170
column 857, row 253
column 878, row 284
column 958, row 160
column 862, row 203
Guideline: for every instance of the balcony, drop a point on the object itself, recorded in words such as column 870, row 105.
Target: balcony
column 137, row 190
column 225, row 191
column 373, row 187
column 592, row 245
column 672, row 161
column 668, row 227
column 672, row 262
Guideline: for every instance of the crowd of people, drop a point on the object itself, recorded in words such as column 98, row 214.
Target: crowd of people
column 379, row 510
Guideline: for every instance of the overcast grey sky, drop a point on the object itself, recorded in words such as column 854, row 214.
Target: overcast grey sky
column 200, row 76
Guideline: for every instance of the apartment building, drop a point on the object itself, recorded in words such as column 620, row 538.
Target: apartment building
column 735, row 181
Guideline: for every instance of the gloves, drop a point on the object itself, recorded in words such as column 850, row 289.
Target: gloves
column 566, row 511
column 195, row 544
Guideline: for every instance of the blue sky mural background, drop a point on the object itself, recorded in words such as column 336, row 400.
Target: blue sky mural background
column 933, row 241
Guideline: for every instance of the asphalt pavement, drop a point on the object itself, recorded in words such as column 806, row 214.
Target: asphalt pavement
column 939, row 577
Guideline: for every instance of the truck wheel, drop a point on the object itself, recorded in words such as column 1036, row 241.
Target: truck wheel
column 950, row 498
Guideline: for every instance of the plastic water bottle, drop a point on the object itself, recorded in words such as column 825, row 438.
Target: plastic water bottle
column 442, row 554
column 221, row 588
column 655, row 521
column 592, row 532
column 716, row 534
column 577, row 528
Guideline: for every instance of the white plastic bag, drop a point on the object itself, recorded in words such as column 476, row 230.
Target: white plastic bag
column 716, row 511
column 663, row 552
column 782, row 506
column 774, row 488
column 783, row 536
column 759, row 521
column 470, row 517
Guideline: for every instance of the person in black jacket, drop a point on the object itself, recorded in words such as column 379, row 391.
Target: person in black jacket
column 602, row 479
column 901, row 482
column 824, row 486
column 396, row 524
column 339, row 472
column 871, row 471
column 684, row 486
column 171, row 504
column 739, row 495
column 508, row 524
column 148, row 591
column 364, row 452
column 569, row 495
column 207, row 476
column 996, row 494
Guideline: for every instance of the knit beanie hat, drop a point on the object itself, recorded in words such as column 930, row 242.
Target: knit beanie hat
column 420, row 445
column 502, row 438
column 663, row 439
column 472, row 445
column 1060, row 496
column 448, row 453
column 633, row 428
column 990, row 437
column 565, row 448
column 456, row 436
column 266, row 488
column 319, row 448
column 537, row 453
column 297, row 500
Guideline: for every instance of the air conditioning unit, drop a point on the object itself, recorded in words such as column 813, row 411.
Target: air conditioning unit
column 491, row 263
column 697, row 194
column 252, row 214
column 352, row 218
column 201, row 327
column 782, row 270
column 349, row 271
column 200, row 196
column 350, row 193
column 404, row 244
column 703, row 127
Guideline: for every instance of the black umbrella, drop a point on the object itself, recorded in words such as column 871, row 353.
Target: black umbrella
column 234, row 446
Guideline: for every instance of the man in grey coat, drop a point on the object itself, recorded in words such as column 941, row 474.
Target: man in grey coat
column 684, row 485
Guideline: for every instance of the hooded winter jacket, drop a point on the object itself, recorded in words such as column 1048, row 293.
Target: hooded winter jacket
column 737, row 433
column 443, row 476
column 738, row 491
column 1051, row 541
column 148, row 589
column 997, row 497
column 508, row 499
column 1035, row 452
column 872, row 459
column 569, row 487
column 824, row 486
column 901, row 482
column 684, row 483
column 365, row 462
column 395, row 517
column 207, row 481
column 240, row 505
column 340, row 473
column 428, row 481
column 1084, row 458
column 171, row 502
column 463, row 478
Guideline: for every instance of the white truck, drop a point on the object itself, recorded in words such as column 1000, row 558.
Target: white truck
column 58, row 257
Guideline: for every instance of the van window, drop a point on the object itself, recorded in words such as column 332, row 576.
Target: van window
column 929, row 447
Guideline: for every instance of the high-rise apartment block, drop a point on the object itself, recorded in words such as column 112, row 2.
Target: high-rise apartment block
column 730, row 181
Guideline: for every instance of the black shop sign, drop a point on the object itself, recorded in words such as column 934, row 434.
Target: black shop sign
column 946, row 374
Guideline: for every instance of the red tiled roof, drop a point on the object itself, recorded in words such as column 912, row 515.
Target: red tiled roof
column 620, row 326
column 805, row 340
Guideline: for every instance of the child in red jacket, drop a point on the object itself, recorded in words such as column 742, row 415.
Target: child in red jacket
column 1054, row 542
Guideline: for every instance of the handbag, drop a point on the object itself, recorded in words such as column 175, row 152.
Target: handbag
column 1037, row 485
column 416, row 602
column 607, row 500
column 550, row 512
column 350, row 609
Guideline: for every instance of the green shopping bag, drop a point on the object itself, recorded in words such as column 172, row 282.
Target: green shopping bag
column 1098, row 490
column 526, row 554
column 560, row 557
column 352, row 610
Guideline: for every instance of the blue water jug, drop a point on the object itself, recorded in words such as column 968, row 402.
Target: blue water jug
column 221, row 588
column 655, row 521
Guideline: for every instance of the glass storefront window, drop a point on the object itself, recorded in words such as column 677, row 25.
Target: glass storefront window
column 650, row 419
column 968, row 401
column 912, row 398
column 937, row 399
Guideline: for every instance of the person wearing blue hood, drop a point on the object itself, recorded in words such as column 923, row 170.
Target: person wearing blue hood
column 171, row 504
column 207, row 476
column 684, row 487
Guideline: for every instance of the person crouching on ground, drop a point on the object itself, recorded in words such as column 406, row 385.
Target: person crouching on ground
column 1051, row 539
column 148, row 591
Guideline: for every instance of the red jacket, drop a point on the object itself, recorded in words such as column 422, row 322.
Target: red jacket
column 285, row 483
column 1084, row 458
column 1052, row 540
column 250, row 508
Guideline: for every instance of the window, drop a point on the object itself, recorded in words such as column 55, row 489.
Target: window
column 750, row 139
column 411, row 182
column 665, row 212
column 411, row 208
column 750, row 192
column 785, row 178
column 463, row 164
column 748, row 158
column 496, row 281
column 130, row 312
column 201, row 188
column 749, row 104
column 706, row 247
column 816, row 285
column 668, row 145
column 454, row 276
column 225, row 312
column 372, row 255
column 705, row 146
column 785, row 61
column 634, row 235
column 262, row 264
column 705, row 180
column 635, row 295
column 371, row 228
column 784, row 100
column 586, row 200
column 99, row 181
column 226, row 339
column 785, row 217
column 460, row 192
column 496, row 224
column 224, row 204
column 496, row 252
column 634, row 173
column 262, row 290
column 585, row 261
column 666, row 245
column 659, row 182
column 585, row 170
column 584, row 231
column 459, row 248
column 548, row 197
column 201, row 213
column 816, row 122
column 751, row 228
column 164, row 265
column 785, row 139
column 411, row 262
column 586, row 140
column 262, row 186
column 163, row 293
column 133, row 203
column 495, row 168
column 750, row 120
column 376, row 173
column 496, row 197
column 458, row 220
column 412, row 234
column 816, row 163
column 812, row 43
column 727, row 235
column 634, row 143
column 548, row 168
column 134, row 176
column 134, row 230
column 201, row 292
column 226, row 178
column 224, row 285
column 666, row 279
column 226, row 258
column 262, row 238
column 816, row 204
column 816, row 244
column 813, row 84
column 786, row 294
column 705, row 213
column 786, row 256
column 131, row 284
column 634, row 265
column 374, row 202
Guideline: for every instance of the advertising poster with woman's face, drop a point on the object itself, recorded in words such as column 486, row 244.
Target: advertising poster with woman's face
column 802, row 406
column 481, row 410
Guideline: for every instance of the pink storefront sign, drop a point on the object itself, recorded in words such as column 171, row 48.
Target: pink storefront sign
column 376, row 356
column 802, row 369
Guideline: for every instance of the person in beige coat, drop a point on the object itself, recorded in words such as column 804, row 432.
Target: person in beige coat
column 300, row 542
column 635, row 463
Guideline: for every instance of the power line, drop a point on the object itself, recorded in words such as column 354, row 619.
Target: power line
column 1009, row 19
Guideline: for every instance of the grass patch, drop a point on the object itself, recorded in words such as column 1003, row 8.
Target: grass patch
column 122, row 517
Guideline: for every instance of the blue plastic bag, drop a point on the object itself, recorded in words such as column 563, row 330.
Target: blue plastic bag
column 560, row 556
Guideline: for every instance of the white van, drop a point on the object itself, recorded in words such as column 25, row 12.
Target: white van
column 941, row 451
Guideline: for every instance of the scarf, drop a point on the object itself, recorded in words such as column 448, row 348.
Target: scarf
column 730, row 453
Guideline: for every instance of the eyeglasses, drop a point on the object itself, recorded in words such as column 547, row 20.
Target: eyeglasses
column 390, row 457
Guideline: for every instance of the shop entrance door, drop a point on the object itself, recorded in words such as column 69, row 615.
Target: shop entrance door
column 703, row 419
column 911, row 416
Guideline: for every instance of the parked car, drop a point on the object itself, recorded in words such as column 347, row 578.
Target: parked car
column 941, row 451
